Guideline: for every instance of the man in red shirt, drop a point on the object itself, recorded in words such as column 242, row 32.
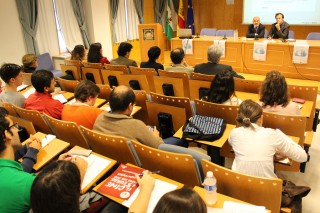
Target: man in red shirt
column 42, row 101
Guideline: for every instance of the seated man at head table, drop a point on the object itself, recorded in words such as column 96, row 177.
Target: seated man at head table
column 212, row 67
column 179, row 63
column 119, row 122
column 41, row 100
column 11, row 74
column 280, row 29
column 124, row 51
column 256, row 29
column 83, row 111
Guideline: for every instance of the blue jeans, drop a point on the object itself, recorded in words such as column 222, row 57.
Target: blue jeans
column 176, row 141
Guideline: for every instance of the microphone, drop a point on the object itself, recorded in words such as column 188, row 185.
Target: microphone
column 255, row 36
column 224, row 37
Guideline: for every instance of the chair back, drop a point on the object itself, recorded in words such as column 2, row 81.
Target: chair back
column 182, row 75
column 10, row 108
column 94, row 73
column 114, row 147
column 141, row 98
column 179, row 167
column 227, row 112
column 227, row 33
column 142, row 80
column 26, row 78
column 37, row 119
column 105, row 91
column 208, row 31
column 177, row 83
column 122, row 68
column 45, row 63
column 67, row 131
column 266, row 33
column 178, row 114
column 149, row 72
column 74, row 69
column 182, row 150
column 181, row 102
column 195, row 86
column 106, row 73
column 24, row 123
column 68, row 85
column 244, row 85
column 76, row 63
column 201, row 77
column 291, row 34
column 252, row 189
column 313, row 36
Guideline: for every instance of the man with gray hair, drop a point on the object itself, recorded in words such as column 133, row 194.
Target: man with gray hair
column 212, row 67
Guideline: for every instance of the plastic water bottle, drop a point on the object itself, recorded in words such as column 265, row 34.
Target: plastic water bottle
column 235, row 34
column 210, row 186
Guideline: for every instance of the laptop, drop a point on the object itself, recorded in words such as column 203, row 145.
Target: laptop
column 184, row 33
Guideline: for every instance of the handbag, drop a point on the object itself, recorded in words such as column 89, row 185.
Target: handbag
column 206, row 128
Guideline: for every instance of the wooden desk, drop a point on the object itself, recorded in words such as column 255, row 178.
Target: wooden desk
column 220, row 198
column 239, row 55
column 156, row 176
column 306, row 109
column 50, row 151
column 107, row 108
column 213, row 148
column 67, row 95
column 98, row 102
column 88, row 180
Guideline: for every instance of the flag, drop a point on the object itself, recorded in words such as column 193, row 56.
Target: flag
column 169, row 31
column 190, row 21
column 181, row 22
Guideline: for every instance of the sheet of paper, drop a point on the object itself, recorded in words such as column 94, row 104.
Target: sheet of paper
column 30, row 91
column 160, row 188
column 243, row 208
column 60, row 98
column 47, row 139
column 216, row 210
column 72, row 101
column 95, row 166
column 21, row 87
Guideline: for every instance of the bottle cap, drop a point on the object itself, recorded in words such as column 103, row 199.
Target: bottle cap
column 209, row 174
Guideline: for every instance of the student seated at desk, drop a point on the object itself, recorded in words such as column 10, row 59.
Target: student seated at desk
column 11, row 74
column 41, row 100
column 222, row 90
column 255, row 146
column 179, row 63
column 274, row 95
column 181, row 200
column 78, row 53
column 83, row 111
column 27, row 152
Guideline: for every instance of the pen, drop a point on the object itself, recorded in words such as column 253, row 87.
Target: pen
column 154, row 172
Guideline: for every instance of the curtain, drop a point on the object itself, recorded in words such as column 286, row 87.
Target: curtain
column 139, row 8
column 120, row 23
column 28, row 16
column 132, row 22
column 47, row 31
column 159, row 7
column 79, row 14
column 114, row 4
column 68, row 23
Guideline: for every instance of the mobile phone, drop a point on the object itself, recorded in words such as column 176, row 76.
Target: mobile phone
column 298, row 100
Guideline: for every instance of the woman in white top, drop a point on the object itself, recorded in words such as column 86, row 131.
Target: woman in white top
column 274, row 95
column 222, row 90
column 254, row 146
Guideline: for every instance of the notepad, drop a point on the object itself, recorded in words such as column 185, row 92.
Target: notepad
column 47, row 139
column 160, row 188
column 30, row 91
column 22, row 87
column 60, row 98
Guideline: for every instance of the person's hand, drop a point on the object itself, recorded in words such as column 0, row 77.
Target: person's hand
column 65, row 156
column 147, row 181
column 34, row 142
column 278, row 26
column 155, row 132
column 82, row 165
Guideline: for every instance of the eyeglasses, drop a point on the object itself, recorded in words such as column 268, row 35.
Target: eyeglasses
column 16, row 125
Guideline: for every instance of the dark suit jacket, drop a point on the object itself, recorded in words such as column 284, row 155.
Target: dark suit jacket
column 213, row 69
column 151, row 64
column 251, row 31
column 282, row 33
